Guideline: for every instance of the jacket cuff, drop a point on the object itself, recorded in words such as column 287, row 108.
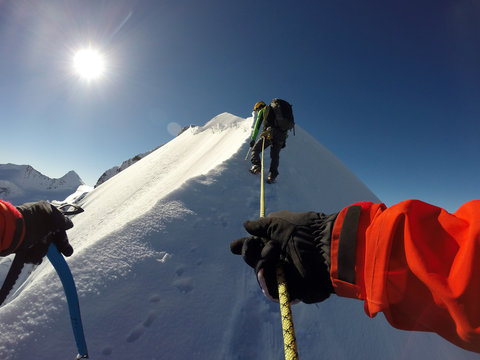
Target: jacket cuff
column 13, row 228
column 348, row 249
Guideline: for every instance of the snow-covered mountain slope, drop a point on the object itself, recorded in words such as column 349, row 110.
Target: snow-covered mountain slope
column 117, row 169
column 157, row 280
column 127, row 163
column 22, row 183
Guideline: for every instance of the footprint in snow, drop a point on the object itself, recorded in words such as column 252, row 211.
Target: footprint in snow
column 107, row 351
column 184, row 284
column 180, row 270
column 139, row 330
column 154, row 298
column 136, row 333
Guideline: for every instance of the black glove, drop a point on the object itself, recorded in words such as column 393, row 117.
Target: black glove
column 252, row 143
column 300, row 243
column 44, row 224
column 267, row 133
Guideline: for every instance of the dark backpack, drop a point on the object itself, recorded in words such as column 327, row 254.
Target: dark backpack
column 283, row 114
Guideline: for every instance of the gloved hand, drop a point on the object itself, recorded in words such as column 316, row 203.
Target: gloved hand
column 267, row 133
column 44, row 224
column 252, row 143
column 300, row 243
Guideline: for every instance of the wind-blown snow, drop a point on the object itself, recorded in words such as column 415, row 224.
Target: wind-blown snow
column 157, row 280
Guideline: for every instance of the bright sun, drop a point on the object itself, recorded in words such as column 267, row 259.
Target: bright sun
column 89, row 64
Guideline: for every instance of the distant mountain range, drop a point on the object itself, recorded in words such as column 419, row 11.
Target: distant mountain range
column 22, row 183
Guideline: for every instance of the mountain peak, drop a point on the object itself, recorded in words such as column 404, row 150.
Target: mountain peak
column 23, row 183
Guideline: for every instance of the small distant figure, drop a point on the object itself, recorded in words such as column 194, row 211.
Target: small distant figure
column 277, row 119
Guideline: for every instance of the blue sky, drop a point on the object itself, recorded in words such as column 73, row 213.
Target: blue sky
column 391, row 88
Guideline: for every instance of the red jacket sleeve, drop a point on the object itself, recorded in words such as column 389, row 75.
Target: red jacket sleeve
column 12, row 229
column 414, row 262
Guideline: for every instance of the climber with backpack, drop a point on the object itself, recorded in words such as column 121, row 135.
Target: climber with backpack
column 277, row 119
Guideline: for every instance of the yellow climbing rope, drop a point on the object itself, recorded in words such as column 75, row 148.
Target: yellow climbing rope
column 262, row 188
column 289, row 340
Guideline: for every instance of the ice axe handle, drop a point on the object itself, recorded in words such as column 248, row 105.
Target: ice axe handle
column 248, row 152
column 65, row 275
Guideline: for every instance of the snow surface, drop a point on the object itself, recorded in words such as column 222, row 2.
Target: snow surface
column 116, row 169
column 156, row 278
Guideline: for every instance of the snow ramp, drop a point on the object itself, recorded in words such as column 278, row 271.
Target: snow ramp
column 156, row 278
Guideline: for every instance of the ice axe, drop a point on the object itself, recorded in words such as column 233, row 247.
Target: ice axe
column 248, row 152
column 65, row 275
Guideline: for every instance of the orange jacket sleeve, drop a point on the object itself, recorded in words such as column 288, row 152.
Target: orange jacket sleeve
column 416, row 263
column 12, row 228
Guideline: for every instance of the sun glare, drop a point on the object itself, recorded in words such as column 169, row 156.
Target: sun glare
column 89, row 64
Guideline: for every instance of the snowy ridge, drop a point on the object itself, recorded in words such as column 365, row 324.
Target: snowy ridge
column 22, row 183
column 117, row 169
column 156, row 277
